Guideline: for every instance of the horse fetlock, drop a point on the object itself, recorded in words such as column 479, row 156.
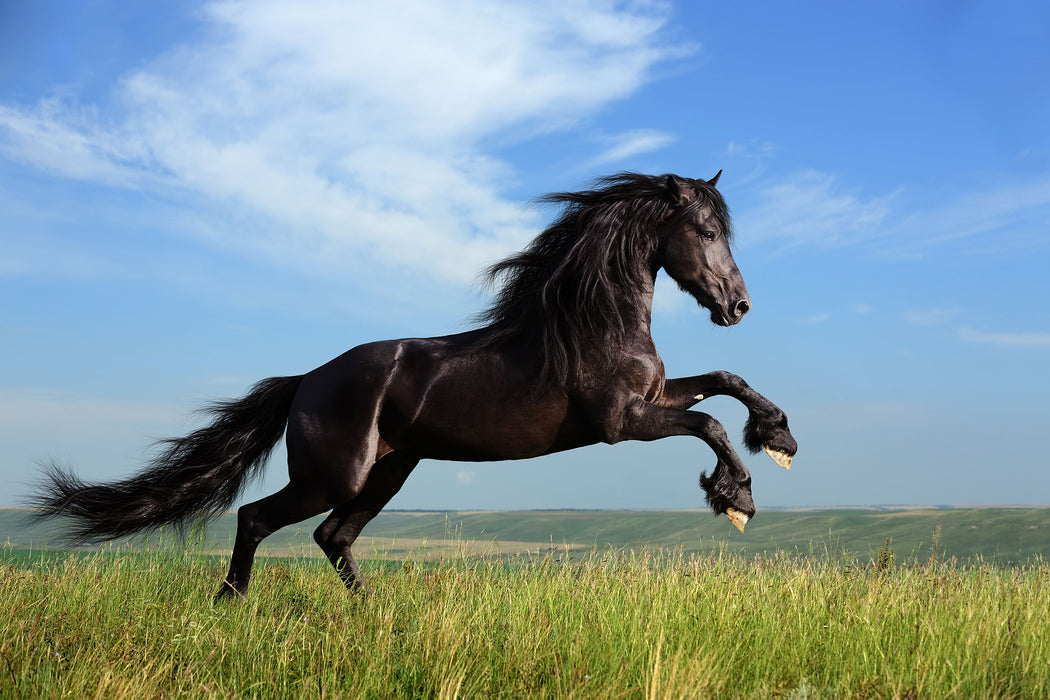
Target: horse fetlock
column 724, row 495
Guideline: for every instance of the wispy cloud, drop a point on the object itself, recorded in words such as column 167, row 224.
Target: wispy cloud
column 816, row 318
column 752, row 148
column 25, row 409
column 342, row 131
column 10, row 266
column 861, row 308
column 810, row 208
column 630, row 144
column 1010, row 211
column 1006, row 340
column 748, row 159
column 930, row 317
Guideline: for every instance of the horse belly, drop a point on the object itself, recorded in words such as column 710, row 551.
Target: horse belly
column 480, row 421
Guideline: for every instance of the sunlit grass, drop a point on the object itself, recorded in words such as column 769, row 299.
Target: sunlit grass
column 612, row 624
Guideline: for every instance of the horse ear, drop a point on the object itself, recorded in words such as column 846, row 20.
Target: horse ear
column 679, row 192
column 714, row 181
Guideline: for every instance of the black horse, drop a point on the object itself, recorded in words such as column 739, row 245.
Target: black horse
column 564, row 359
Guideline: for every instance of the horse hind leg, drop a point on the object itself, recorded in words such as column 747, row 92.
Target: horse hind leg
column 338, row 532
column 256, row 521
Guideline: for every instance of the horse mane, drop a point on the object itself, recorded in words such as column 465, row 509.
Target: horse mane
column 574, row 280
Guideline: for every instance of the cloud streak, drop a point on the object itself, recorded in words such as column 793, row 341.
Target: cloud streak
column 1006, row 340
column 810, row 208
column 32, row 409
column 630, row 144
column 344, row 132
column 930, row 317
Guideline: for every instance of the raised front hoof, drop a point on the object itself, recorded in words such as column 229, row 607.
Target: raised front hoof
column 773, row 437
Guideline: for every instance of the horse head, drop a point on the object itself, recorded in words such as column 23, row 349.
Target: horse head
column 694, row 249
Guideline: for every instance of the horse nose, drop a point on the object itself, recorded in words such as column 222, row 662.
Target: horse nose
column 740, row 308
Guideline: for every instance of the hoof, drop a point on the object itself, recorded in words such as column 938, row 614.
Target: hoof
column 781, row 458
column 737, row 518
column 227, row 593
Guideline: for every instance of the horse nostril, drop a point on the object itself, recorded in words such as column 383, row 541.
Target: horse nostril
column 741, row 308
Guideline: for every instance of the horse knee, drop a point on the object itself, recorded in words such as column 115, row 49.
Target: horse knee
column 712, row 431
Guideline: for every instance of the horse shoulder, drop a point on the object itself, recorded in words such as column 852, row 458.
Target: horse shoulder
column 609, row 398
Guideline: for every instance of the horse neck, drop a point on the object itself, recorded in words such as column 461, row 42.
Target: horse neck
column 636, row 307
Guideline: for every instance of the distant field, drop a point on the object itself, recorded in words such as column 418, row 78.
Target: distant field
column 1001, row 536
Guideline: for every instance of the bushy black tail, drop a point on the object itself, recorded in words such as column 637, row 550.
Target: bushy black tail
column 196, row 477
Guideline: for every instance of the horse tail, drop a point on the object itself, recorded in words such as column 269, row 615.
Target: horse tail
column 195, row 478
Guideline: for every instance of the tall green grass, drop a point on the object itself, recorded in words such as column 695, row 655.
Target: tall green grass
column 612, row 625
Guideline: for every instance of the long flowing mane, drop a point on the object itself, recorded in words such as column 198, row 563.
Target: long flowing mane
column 576, row 279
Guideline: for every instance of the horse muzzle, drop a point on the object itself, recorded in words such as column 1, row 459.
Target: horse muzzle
column 730, row 314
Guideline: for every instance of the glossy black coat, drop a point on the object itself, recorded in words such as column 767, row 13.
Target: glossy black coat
column 564, row 359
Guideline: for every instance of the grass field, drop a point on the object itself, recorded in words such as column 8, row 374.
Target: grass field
column 1004, row 536
column 572, row 606
column 609, row 625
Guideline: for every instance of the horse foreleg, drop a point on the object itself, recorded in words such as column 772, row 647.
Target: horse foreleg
column 340, row 529
column 767, row 425
column 729, row 486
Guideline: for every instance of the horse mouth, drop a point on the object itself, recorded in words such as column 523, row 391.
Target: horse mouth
column 721, row 313
column 727, row 314
column 718, row 314
column 720, row 318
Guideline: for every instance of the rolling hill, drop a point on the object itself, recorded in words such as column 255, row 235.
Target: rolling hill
column 1004, row 536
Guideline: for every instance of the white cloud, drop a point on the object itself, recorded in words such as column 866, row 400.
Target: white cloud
column 930, row 317
column 37, row 409
column 11, row 266
column 748, row 160
column 752, row 148
column 808, row 208
column 630, row 144
column 1006, row 340
column 348, row 131
column 668, row 299
column 465, row 477
column 811, row 208
column 816, row 318
column 1004, row 210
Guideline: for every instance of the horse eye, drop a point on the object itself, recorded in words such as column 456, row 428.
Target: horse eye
column 707, row 235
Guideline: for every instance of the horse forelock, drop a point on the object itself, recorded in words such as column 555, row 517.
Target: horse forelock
column 575, row 280
column 707, row 196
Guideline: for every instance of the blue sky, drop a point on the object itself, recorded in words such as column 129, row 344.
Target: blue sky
column 194, row 196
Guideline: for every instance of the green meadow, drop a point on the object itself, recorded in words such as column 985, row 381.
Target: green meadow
column 578, row 604
column 1000, row 536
